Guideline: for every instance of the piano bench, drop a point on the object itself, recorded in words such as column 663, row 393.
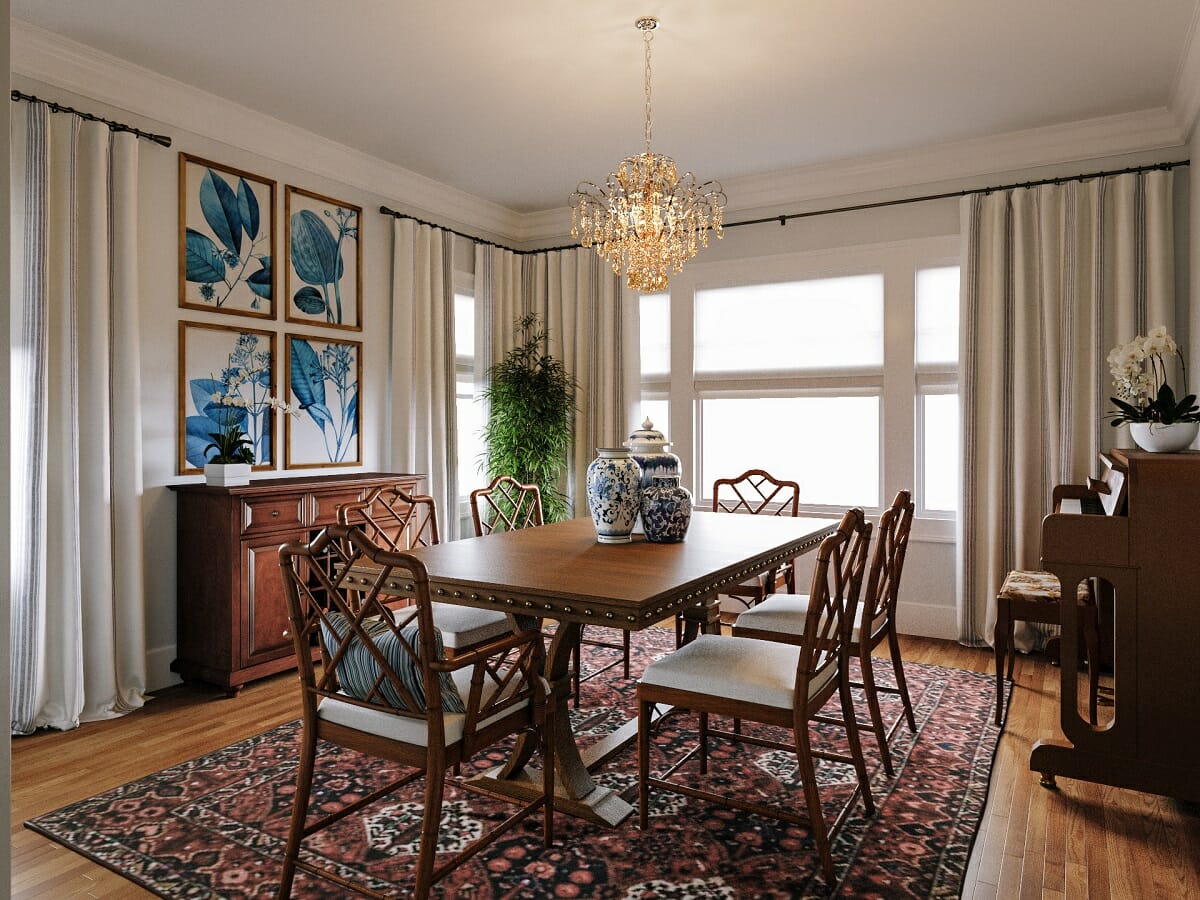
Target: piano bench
column 1032, row 596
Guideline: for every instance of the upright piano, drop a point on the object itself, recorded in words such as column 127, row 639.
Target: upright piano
column 1141, row 545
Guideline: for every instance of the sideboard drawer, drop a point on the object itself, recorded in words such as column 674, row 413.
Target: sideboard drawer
column 325, row 505
column 271, row 513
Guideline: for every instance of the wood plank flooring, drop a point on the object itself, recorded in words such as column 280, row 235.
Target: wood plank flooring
column 1082, row 841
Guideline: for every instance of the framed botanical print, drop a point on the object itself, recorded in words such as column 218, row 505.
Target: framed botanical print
column 226, row 236
column 226, row 392
column 324, row 261
column 323, row 379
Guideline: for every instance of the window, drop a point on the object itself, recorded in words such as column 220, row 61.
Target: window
column 827, row 323
column 467, row 408
column 654, row 311
column 836, row 369
column 937, row 303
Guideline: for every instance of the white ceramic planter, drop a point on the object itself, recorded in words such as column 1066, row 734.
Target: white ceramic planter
column 226, row 474
column 1157, row 438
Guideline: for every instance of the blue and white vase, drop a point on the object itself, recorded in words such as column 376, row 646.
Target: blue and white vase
column 666, row 510
column 614, row 494
column 651, row 451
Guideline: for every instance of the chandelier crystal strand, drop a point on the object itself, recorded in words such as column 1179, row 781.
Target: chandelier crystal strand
column 647, row 219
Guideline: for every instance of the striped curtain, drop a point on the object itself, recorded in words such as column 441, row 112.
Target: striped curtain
column 424, row 426
column 78, row 649
column 593, row 330
column 1053, row 277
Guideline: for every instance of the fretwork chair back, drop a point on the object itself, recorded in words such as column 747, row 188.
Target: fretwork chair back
column 393, row 519
column 758, row 493
column 772, row 683
column 385, row 689
column 776, row 619
column 507, row 505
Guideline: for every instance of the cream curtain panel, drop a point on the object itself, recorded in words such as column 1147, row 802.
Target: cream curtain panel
column 1053, row 277
column 78, row 607
column 592, row 331
column 424, row 427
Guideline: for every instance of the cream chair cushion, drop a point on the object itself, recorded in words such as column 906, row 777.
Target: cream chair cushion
column 735, row 668
column 785, row 614
column 462, row 626
column 412, row 729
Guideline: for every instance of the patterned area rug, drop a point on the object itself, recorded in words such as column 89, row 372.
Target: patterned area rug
column 215, row 826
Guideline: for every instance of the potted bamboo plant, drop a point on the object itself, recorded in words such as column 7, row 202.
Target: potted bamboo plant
column 531, row 408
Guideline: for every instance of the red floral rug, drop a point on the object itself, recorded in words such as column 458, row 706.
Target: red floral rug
column 215, row 826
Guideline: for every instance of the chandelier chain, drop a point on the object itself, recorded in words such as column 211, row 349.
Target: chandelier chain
column 648, row 36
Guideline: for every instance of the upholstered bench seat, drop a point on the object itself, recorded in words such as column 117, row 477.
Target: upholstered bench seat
column 1036, row 587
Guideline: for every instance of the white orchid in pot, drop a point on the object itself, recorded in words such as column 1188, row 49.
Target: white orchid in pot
column 1158, row 420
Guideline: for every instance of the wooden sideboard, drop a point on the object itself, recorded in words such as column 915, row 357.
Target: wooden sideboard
column 232, row 619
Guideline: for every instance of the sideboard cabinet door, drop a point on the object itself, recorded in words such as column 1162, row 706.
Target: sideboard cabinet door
column 232, row 618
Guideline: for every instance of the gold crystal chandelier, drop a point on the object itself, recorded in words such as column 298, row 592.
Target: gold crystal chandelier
column 646, row 218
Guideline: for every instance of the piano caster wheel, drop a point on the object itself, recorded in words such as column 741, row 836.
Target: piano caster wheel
column 1048, row 781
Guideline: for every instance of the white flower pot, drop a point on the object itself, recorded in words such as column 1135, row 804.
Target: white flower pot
column 226, row 474
column 1155, row 437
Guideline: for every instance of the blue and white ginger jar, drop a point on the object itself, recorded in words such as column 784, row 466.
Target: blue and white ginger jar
column 651, row 451
column 666, row 510
column 614, row 494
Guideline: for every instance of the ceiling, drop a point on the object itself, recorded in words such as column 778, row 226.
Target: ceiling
column 516, row 102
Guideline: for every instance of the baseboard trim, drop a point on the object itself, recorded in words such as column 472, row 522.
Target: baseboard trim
column 158, row 668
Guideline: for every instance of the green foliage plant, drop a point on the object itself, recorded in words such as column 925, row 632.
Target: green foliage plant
column 531, row 411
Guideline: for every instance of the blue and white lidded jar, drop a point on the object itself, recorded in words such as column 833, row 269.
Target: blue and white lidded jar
column 614, row 494
column 666, row 510
column 651, row 451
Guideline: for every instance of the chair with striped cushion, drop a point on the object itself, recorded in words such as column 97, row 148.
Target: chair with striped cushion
column 396, row 520
column 780, row 618
column 507, row 505
column 386, row 690
column 1032, row 596
column 772, row 683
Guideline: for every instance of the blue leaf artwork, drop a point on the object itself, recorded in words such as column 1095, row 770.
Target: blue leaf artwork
column 233, row 391
column 323, row 248
column 228, row 221
column 323, row 380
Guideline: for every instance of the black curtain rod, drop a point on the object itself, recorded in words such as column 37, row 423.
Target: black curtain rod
column 388, row 211
column 783, row 219
column 114, row 126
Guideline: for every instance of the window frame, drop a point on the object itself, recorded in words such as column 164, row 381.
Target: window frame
column 898, row 382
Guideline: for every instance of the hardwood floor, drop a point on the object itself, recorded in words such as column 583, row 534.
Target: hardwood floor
column 1083, row 840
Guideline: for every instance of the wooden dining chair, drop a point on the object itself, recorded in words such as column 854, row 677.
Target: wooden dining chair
column 385, row 689
column 757, row 493
column 774, row 684
column 392, row 518
column 780, row 618
column 506, row 505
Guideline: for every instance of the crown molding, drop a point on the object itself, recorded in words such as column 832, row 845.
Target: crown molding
column 1015, row 151
column 1100, row 138
column 1185, row 96
column 55, row 60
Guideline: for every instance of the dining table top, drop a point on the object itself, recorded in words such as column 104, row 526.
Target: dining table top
column 561, row 571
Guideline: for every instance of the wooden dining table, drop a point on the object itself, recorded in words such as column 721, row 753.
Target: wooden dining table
column 562, row 572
